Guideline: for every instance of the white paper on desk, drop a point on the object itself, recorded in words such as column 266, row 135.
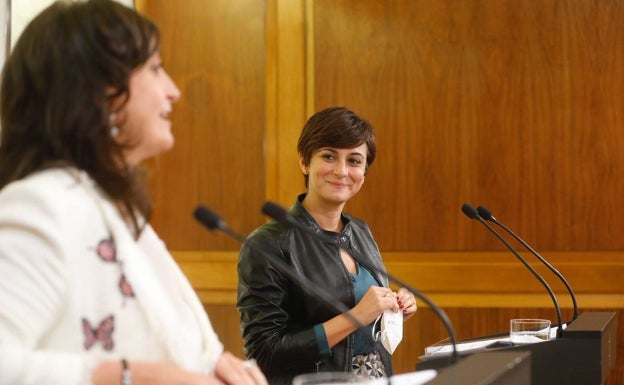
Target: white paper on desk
column 418, row 377
column 473, row 345
column 463, row 346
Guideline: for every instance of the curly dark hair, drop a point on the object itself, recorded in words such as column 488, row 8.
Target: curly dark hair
column 57, row 86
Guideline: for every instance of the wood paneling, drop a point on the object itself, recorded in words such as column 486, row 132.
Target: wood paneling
column 525, row 119
column 215, row 52
column 513, row 105
column 493, row 273
column 286, row 98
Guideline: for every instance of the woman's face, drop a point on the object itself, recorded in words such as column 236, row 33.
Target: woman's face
column 335, row 174
column 143, row 121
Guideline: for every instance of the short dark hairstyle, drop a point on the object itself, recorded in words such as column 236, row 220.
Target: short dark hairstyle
column 57, row 85
column 336, row 127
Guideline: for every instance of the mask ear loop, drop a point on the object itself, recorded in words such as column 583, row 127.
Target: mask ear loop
column 377, row 335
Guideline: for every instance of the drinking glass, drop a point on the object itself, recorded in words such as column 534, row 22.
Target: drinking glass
column 529, row 330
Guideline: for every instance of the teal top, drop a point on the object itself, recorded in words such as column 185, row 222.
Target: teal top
column 363, row 343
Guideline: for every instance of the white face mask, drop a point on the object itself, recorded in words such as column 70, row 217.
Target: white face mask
column 391, row 329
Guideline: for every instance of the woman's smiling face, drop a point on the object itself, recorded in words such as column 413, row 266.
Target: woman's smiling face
column 336, row 174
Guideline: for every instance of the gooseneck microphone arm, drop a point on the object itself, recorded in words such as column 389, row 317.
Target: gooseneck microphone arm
column 280, row 214
column 472, row 213
column 212, row 221
column 487, row 215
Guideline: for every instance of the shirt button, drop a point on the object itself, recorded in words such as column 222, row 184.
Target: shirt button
column 343, row 239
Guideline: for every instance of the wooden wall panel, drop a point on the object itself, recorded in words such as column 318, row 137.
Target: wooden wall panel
column 287, row 91
column 452, row 274
column 513, row 105
column 215, row 52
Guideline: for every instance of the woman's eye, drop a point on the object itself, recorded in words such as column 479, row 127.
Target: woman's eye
column 327, row 156
column 356, row 161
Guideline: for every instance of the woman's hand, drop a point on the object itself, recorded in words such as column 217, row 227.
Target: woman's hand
column 150, row 373
column 374, row 302
column 407, row 303
column 229, row 370
column 234, row 371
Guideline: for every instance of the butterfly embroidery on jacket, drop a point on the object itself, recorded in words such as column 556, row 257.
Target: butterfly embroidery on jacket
column 125, row 287
column 108, row 253
column 103, row 333
column 106, row 250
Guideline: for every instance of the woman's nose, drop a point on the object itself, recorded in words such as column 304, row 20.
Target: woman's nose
column 173, row 92
column 341, row 168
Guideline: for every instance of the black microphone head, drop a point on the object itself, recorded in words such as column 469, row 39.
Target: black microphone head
column 469, row 211
column 209, row 218
column 275, row 211
column 485, row 213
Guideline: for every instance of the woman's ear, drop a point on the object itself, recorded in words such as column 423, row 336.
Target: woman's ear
column 304, row 168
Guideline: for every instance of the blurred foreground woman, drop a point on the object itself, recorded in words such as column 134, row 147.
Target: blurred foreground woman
column 88, row 292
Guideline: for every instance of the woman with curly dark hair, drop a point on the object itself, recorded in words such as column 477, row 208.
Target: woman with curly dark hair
column 89, row 293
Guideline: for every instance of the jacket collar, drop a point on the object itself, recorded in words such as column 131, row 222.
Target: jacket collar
column 305, row 218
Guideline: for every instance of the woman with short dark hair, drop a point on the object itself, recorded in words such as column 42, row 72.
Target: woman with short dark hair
column 287, row 330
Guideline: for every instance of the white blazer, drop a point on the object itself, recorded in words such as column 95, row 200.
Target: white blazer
column 76, row 288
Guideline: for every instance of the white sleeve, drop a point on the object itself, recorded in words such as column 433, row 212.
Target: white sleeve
column 32, row 288
column 23, row 366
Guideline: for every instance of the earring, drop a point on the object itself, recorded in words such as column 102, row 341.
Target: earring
column 114, row 130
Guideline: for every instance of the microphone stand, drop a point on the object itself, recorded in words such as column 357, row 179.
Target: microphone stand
column 487, row 215
column 280, row 214
column 472, row 213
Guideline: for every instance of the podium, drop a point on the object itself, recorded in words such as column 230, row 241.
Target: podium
column 583, row 355
column 488, row 368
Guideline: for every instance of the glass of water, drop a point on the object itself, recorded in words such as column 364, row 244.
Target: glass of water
column 529, row 330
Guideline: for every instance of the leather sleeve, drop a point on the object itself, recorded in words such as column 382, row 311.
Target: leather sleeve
column 271, row 337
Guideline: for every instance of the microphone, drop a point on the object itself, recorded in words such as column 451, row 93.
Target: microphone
column 212, row 221
column 280, row 214
column 472, row 213
column 487, row 215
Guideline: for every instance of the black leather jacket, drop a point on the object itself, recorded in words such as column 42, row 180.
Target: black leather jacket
column 278, row 316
